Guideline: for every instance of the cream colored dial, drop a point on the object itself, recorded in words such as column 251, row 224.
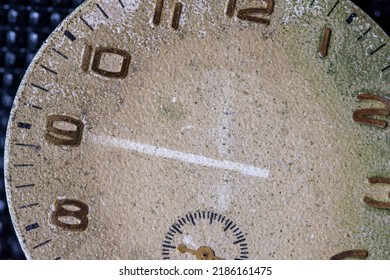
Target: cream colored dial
column 272, row 113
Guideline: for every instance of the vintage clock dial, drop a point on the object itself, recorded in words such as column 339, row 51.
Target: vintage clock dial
column 270, row 113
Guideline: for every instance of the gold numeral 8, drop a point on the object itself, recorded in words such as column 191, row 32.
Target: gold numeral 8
column 70, row 215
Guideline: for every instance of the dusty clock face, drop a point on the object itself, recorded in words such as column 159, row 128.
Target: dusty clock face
column 204, row 130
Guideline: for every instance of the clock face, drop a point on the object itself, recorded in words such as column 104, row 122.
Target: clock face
column 204, row 130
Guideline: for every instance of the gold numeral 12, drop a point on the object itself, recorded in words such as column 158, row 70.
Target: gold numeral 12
column 176, row 14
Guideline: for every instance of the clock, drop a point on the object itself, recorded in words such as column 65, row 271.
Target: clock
column 204, row 130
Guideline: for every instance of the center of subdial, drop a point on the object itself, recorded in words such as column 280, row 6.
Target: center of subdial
column 202, row 253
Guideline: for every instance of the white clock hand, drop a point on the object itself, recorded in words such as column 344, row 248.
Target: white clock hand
column 180, row 156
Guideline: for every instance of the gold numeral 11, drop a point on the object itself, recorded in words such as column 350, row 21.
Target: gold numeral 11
column 176, row 14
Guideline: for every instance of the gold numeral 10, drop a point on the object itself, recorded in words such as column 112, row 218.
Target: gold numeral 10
column 103, row 56
column 375, row 203
column 69, row 134
column 365, row 116
column 70, row 215
column 254, row 14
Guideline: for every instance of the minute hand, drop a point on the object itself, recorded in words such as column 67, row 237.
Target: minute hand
column 179, row 156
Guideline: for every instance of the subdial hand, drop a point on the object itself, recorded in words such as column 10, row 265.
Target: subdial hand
column 202, row 253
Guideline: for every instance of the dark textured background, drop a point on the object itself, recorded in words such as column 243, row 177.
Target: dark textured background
column 24, row 25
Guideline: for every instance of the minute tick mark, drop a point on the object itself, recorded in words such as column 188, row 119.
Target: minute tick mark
column 386, row 68
column 101, row 9
column 333, row 8
column 28, row 205
column 32, row 226
column 25, row 186
column 60, row 53
column 351, row 18
column 239, row 241
column 86, row 23
column 48, row 69
column 227, row 226
column 169, row 246
column 121, row 3
column 177, row 229
column 36, row 147
column 24, row 165
column 41, row 244
column 24, row 125
column 364, row 34
column 39, row 87
column 33, row 106
column 69, row 35
column 377, row 49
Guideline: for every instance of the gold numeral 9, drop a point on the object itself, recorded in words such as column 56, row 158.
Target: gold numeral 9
column 62, row 136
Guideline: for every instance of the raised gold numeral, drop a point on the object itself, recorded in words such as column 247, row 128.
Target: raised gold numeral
column 158, row 12
column 351, row 254
column 254, row 14
column 231, row 6
column 324, row 46
column 62, row 136
column 86, row 58
column 97, row 61
column 375, row 203
column 70, row 214
column 364, row 116
column 176, row 14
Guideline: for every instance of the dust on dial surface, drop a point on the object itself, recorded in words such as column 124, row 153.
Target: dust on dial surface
column 204, row 130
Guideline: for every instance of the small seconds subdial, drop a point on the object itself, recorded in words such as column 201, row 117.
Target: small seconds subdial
column 204, row 235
